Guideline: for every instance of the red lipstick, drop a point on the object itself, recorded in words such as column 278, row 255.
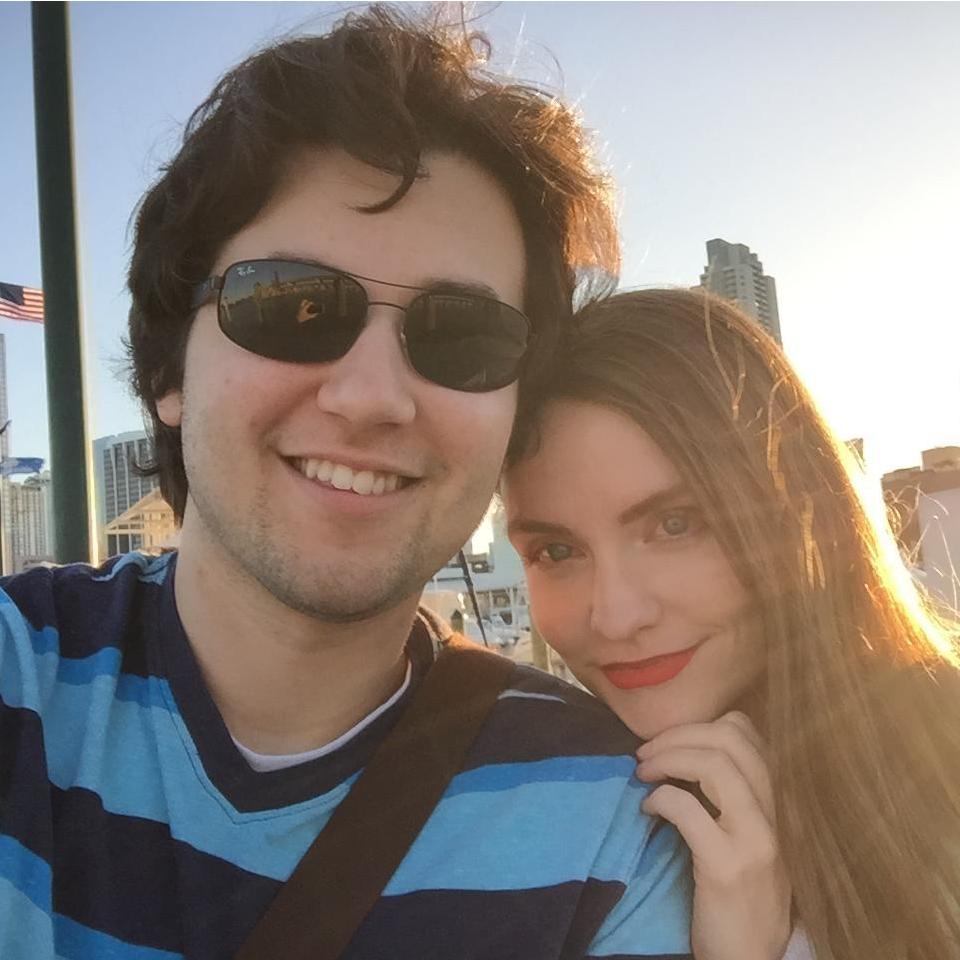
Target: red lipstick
column 649, row 672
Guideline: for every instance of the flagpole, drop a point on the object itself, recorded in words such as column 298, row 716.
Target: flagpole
column 63, row 338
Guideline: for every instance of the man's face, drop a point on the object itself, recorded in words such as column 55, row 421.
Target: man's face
column 254, row 429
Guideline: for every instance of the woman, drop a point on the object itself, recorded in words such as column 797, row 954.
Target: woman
column 697, row 550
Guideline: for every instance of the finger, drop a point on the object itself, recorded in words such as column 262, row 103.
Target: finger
column 751, row 755
column 726, row 736
column 741, row 812
column 717, row 858
column 748, row 761
column 744, row 724
column 706, row 840
column 729, row 729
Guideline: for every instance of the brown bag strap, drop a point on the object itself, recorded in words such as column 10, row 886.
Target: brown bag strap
column 335, row 885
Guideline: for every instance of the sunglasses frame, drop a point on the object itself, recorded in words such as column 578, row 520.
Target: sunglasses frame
column 214, row 285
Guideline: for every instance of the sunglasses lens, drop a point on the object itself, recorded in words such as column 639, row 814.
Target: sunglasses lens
column 465, row 343
column 291, row 311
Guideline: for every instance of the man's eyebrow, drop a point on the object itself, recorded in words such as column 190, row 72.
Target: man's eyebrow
column 298, row 257
column 523, row 525
column 472, row 287
column 439, row 284
column 654, row 502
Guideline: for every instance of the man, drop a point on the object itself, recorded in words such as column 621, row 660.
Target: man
column 333, row 284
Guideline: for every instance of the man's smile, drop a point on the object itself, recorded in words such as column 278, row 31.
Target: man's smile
column 360, row 480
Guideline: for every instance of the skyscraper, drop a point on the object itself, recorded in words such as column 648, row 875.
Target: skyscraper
column 29, row 532
column 25, row 508
column 118, row 483
column 734, row 273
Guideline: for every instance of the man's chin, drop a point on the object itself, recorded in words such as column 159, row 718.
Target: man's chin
column 332, row 583
column 340, row 599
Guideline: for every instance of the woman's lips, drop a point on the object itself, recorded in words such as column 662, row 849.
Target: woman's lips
column 649, row 672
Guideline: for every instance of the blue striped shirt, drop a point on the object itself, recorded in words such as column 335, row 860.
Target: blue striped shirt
column 131, row 828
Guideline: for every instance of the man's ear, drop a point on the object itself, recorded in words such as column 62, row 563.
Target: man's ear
column 170, row 408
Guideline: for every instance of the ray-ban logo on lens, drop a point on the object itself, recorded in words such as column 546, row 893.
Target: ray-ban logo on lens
column 246, row 271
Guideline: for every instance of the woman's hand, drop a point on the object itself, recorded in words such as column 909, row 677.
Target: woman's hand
column 741, row 901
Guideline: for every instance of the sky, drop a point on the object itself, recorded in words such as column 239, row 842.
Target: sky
column 823, row 136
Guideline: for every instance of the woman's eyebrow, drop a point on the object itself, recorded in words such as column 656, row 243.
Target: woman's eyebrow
column 636, row 511
column 523, row 525
column 654, row 501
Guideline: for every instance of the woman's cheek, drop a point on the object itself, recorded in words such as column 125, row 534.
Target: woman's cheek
column 561, row 618
column 543, row 605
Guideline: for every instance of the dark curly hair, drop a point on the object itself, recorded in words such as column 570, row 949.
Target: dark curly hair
column 385, row 88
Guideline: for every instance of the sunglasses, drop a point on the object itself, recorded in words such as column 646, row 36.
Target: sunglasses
column 305, row 312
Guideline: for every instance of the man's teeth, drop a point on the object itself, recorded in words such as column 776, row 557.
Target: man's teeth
column 364, row 482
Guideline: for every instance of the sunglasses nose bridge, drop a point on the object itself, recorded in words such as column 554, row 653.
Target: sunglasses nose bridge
column 386, row 303
column 401, row 326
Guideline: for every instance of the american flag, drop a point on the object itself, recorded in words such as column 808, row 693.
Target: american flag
column 21, row 303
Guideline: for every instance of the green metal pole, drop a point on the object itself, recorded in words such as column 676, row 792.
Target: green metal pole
column 63, row 338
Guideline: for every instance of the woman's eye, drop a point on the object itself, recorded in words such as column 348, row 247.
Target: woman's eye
column 557, row 552
column 553, row 553
column 675, row 525
column 678, row 523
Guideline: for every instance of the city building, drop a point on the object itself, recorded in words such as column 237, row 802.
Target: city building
column 925, row 502
column 16, row 505
column 118, row 484
column 497, row 576
column 501, row 591
column 148, row 527
column 30, row 532
column 734, row 273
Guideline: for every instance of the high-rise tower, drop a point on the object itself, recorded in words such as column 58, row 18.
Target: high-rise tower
column 29, row 510
column 734, row 273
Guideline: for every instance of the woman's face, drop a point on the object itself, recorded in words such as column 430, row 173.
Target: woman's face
column 625, row 579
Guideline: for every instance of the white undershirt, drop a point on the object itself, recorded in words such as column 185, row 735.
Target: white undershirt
column 267, row 762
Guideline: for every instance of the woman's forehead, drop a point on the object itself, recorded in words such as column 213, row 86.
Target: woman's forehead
column 589, row 456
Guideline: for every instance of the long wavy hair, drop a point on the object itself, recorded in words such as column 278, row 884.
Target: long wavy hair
column 860, row 695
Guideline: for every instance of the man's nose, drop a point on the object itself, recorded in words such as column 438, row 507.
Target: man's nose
column 624, row 601
column 372, row 384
